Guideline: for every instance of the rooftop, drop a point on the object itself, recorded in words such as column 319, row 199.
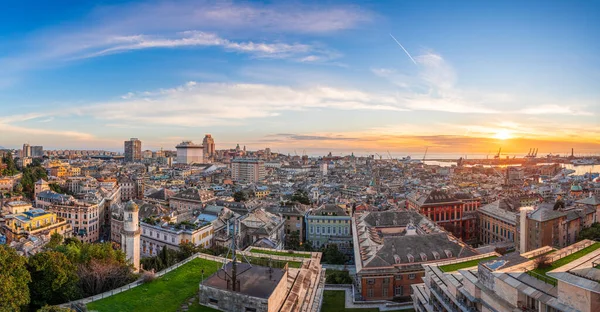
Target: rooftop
column 255, row 281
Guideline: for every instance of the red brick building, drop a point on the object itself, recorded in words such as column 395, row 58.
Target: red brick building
column 456, row 213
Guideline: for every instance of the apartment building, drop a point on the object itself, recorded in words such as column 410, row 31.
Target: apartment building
column 498, row 221
column 512, row 283
column 34, row 222
column 247, row 170
column 330, row 224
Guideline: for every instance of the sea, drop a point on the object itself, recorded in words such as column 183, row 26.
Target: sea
column 579, row 170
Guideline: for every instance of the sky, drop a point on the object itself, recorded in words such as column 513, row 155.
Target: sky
column 367, row 77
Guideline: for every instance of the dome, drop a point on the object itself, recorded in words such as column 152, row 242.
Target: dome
column 131, row 206
column 576, row 188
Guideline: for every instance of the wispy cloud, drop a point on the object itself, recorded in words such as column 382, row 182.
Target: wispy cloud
column 209, row 104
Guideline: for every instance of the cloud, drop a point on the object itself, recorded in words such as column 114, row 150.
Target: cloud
column 10, row 130
column 304, row 137
column 208, row 104
column 433, row 87
column 204, row 39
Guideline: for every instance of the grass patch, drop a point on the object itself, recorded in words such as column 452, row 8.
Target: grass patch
column 333, row 301
column 563, row 261
column 280, row 253
column 264, row 261
column 462, row 265
column 166, row 293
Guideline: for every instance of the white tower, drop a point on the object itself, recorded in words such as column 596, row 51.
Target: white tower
column 130, row 235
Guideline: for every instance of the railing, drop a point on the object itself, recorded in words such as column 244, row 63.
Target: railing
column 572, row 249
column 543, row 278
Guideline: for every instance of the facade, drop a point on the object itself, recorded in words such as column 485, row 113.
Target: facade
column 498, row 222
column 16, row 207
column 130, row 235
column 127, row 189
column 133, row 150
column 330, row 224
column 26, row 151
column 209, row 147
column 189, row 153
column 188, row 201
column 390, row 248
column 34, row 222
column 457, row 214
column 247, row 170
column 544, row 226
column 294, row 219
column 37, row 151
column 156, row 237
column 503, row 284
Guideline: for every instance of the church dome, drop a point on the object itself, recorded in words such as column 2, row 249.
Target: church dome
column 576, row 188
column 131, row 207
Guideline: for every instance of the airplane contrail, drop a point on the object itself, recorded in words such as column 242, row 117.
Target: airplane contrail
column 404, row 49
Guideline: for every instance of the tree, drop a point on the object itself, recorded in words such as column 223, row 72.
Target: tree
column 56, row 188
column 11, row 167
column 55, row 241
column 301, row 196
column 54, row 279
column 240, row 196
column 592, row 233
column 292, row 241
column 338, row 277
column 332, row 255
column 186, row 250
column 14, row 278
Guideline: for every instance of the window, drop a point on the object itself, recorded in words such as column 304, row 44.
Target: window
column 370, row 281
column 399, row 291
column 411, row 276
column 398, row 277
column 386, row 281
column 250, row 309
column 213, row 301
column 385, row 292
column 370, row 292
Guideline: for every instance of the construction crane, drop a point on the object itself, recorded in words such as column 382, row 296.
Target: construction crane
column 425, row 155
column 379, row 156
column 498, row 155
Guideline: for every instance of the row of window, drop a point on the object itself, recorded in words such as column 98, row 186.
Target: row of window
column 329, row 230
column 328, row 221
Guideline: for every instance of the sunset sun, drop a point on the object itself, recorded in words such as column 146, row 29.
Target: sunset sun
column 502, row 135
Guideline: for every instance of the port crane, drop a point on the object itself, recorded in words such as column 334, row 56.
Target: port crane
column 498, row 155
column 425, row 155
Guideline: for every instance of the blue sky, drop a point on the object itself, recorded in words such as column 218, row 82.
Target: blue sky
column 302, row 75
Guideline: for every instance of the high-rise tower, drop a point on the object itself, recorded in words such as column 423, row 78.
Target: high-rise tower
column 209, row 147
column 133, row 150
column 130, row 235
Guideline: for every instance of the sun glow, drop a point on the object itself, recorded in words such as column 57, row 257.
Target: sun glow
column 502, row 135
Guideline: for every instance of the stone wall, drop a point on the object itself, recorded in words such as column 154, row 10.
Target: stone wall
column 230, row 301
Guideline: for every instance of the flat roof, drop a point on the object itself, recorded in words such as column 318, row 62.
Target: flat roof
column 255, row 281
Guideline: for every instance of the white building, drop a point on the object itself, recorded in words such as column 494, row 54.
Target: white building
column 189, row 153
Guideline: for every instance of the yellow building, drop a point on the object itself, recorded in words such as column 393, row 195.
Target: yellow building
column 16, row 206
column 35, row 222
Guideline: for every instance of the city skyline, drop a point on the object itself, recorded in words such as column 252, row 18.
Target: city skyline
column 342, row 76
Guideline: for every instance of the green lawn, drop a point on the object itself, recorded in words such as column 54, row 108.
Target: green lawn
column 333, row 301
column 462, row 265
column 279, row 253
column 560, row 262
column 264, row 261
column 166, row 293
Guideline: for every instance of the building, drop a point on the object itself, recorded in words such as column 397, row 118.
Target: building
column 133, row 150
column 159, row 234
column 390, row 248
column 26, row 151
column 294, row 218
column 329, row 224
column 16, row 207
column 189, row 153
column 514, row 176
column 209, row 147
column 128, row 189
column 266, row 289
column 544, row 225
column 130, row 235
column 498, row 221
column 247, row 170
column 34, row 223
column 262, row 229
column 457, row 214
column 510, row 283
column 190, row 201
column 37, row 151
